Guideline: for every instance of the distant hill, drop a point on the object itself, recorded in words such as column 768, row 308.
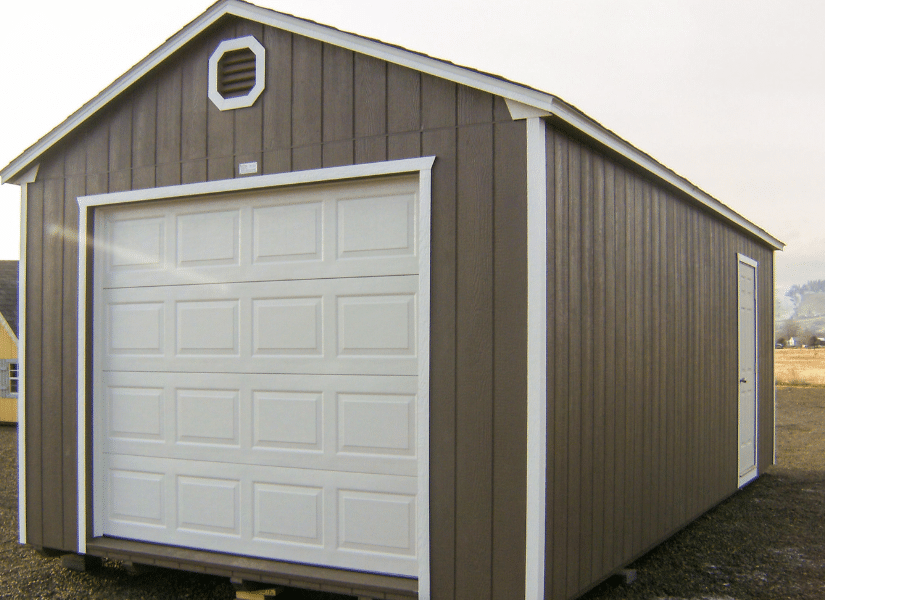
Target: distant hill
column 812, row 304
column 802, row 311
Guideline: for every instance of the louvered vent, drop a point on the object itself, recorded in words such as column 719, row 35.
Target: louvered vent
column 236, row 73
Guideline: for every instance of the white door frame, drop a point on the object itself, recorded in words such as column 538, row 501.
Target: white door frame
column 754, row 471
column 421, row 166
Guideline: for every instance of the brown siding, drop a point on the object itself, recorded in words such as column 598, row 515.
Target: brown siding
column 642, row 363
column 323, row 106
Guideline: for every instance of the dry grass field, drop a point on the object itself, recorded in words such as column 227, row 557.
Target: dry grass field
column 800, row 366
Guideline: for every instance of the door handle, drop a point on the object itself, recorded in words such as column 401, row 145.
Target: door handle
column 743, row 380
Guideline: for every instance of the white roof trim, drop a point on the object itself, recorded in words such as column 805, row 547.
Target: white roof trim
column 539, row 102
column 29, row 176
column 517, row 110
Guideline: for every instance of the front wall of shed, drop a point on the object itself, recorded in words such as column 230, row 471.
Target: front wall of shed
column 642, row 363
column 323, row 106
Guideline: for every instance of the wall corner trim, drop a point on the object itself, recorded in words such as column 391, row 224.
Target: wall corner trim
column 28, row 177
column 536, row 446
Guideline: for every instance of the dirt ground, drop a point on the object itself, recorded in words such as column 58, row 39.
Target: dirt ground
column 765, row 542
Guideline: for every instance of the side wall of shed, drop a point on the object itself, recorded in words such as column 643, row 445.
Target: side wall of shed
column 642, row 363
column 323, row 106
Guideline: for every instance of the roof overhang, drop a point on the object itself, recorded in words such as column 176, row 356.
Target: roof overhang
column 531, row 102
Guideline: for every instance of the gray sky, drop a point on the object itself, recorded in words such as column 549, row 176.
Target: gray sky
column 730, row 95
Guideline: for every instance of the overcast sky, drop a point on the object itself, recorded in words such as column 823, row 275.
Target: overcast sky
column 730, row 95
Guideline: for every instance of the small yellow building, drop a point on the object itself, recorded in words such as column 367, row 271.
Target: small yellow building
column 9, row 341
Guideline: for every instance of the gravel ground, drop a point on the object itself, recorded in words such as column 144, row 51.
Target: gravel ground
column 766, row 541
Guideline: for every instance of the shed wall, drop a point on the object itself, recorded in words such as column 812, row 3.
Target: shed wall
column 642, row 363
column 323, row 106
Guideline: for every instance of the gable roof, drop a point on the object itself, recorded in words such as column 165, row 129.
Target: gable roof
column 526, row 100
column 9, row 293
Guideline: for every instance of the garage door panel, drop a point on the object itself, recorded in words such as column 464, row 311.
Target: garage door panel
column 209, row 327
column 136, row 328
column 340, row 423
column 379, row 226
column 137, row 497
column 287, row 233
column 136, row 243
column 208, row 237
column 136, row 413
column 288, row 326
column 256, row 373
column 336, row 326
column 320, row 232
column 346, row 520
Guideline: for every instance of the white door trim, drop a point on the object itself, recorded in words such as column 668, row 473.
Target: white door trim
column 753, row 473
column 422, row 166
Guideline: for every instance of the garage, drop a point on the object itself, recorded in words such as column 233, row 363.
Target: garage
column 309, row 309
column 257, row 373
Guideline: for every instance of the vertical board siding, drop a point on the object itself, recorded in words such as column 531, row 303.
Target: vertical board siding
column 51, row 345
column 194, row 104
column 510, row 312
column 143, row 140
column 474, row 362
column 248, row 122
column 73, row 186
column 276, row 102
column 168, row 127
column 323, row 106
column 642, row 386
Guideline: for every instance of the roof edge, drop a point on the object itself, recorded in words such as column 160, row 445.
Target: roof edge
column 592, row 128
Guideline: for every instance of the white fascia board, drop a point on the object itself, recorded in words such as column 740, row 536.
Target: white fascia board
column 518, row 111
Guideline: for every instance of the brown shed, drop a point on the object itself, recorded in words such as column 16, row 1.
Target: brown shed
column 306, row 308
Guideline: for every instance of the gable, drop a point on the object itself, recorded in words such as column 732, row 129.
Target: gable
column 323, row 106
column 523, row 100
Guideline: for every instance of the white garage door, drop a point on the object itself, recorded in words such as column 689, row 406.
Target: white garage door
column 255, row 385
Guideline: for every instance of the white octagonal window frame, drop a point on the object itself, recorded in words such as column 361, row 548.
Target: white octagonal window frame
column 250, row 97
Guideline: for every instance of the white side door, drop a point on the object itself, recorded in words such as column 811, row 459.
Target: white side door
column 748, row 422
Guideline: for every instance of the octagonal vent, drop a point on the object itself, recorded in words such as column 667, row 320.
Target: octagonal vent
column 237, row 73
